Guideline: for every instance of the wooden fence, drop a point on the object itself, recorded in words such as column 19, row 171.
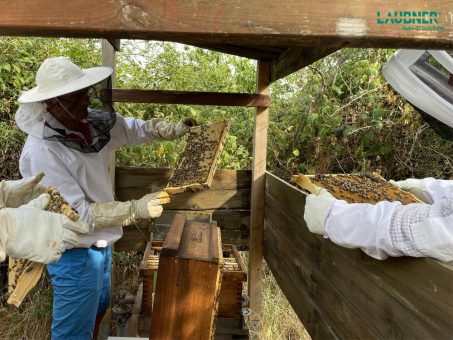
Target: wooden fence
column 343, row 293
column 228, row 200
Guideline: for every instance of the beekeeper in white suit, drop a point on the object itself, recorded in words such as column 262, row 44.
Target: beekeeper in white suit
column 70, row 143
column 29, row 232
column 390, row 228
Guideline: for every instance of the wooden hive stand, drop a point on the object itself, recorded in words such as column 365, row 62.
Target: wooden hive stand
column 234, row 274
column 230, row 323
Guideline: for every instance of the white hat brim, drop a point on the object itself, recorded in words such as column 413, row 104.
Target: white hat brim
column 90, row 77
column 407, row 84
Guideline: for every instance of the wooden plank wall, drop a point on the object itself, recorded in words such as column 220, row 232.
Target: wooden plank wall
column 342, row 293
column 228, row 199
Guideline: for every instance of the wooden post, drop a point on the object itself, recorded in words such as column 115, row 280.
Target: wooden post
column 108, row 59
column 257, row 195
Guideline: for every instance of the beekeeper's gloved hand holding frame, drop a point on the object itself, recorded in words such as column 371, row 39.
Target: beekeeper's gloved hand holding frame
column 428, row 190
column 165, row 130
column 112, row 214
column 28, row 231
column 317, row 208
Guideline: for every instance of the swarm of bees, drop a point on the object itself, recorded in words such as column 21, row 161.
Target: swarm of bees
column 356, row 188
column 231, row 264
column 16, row 269
column 197, row 163
column 24, row 274
column 59, row 205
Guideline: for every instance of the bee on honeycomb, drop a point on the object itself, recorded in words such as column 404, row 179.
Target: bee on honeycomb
column 196, row 165
column 357, row 188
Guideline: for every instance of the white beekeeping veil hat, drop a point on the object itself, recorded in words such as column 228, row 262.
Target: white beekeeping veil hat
column 55, row 77
column 422, row 77
column 58, row 76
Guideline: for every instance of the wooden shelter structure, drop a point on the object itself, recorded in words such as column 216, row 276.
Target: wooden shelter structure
column 337, row 293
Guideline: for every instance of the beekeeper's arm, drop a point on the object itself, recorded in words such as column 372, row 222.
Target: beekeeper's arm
column 113, row 214
column 29, row 232
column 99, row 215
column 384, row 229
column 132, row 131
column 429, row 190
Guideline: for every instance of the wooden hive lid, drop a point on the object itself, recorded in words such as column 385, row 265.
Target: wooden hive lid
column 192, row 240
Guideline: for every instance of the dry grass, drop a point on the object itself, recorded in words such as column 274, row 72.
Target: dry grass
column 32, row 320
column 278, row 320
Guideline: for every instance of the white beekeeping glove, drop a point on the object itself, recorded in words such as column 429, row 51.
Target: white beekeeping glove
column 114, row 214
column 28, row 232
column 165, row 130
column 317, row 208
column 16, row 193
column 415, row 187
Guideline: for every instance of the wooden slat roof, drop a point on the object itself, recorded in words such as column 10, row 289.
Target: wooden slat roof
column 291, row 33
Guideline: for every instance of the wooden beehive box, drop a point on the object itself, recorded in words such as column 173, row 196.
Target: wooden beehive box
column 234, row 274
column 197, row 163
column 355, row 188
column 188, row 281
column 150, row 261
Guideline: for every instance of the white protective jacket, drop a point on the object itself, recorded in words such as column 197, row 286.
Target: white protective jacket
column 83, row 178
column 390, row 228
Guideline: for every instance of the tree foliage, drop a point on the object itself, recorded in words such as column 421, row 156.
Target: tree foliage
column 19, row 61
column 337, row 115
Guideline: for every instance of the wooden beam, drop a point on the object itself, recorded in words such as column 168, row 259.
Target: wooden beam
column 115, row 43
column 109, row 60
column 257, row 22
column 295, row 58
column 230, row 189
column 201, row 200
column 252, row 52
column 146, row 178
column 189, row 97
column 257, row 195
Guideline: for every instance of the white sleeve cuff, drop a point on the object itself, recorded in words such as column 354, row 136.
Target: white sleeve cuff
column 433, row 237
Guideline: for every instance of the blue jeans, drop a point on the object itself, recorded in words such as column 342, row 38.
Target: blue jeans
column 81, row 286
